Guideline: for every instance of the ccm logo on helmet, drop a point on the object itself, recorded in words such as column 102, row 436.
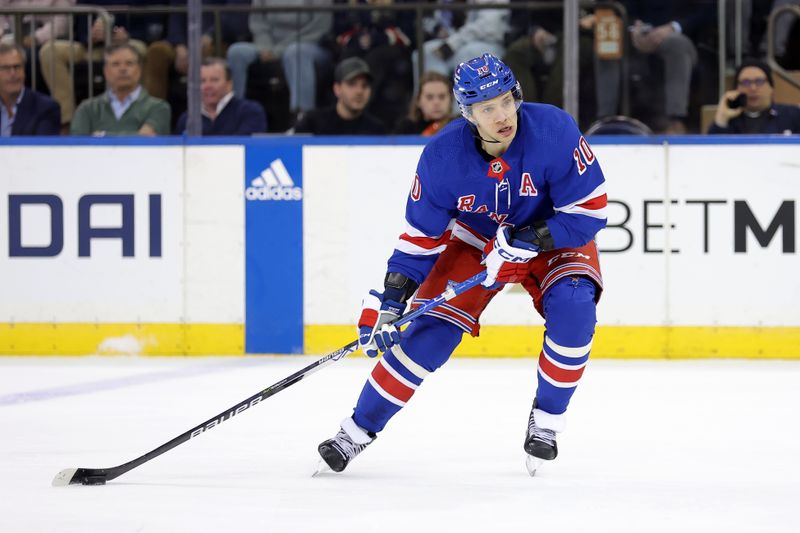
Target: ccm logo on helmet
column 487, row 85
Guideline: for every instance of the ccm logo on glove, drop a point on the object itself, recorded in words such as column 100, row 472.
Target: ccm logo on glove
column 506, row 258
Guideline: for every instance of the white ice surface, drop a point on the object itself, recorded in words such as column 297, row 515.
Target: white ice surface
column 660, row 446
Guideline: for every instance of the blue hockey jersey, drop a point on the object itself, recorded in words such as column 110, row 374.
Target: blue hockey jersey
column 548, row 173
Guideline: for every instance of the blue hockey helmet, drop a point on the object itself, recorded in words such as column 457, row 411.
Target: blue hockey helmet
column 483, row 78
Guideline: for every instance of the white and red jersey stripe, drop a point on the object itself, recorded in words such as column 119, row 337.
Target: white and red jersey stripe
column 464, row 233
column 592, row 205
column 415, row 242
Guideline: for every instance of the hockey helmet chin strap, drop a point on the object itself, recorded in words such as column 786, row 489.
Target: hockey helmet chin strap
column 477, row 135
column 474, row 128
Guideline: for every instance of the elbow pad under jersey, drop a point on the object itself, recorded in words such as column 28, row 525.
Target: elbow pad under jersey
column 537, row 234
column 398, row 287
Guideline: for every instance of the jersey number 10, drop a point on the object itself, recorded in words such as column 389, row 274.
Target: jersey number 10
column 586, row 153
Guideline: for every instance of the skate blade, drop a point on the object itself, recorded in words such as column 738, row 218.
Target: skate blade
column 532, row 464
column 321, row 468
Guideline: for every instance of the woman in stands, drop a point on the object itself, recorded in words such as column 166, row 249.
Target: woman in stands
column 431, row 109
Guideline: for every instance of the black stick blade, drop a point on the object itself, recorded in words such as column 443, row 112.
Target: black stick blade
column 80, row 476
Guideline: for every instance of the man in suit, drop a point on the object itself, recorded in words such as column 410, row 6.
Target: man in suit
column 23, row 111
column 224, row 113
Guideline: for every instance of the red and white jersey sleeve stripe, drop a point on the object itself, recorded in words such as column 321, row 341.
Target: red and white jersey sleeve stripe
column 593, row 205
column 415, row 242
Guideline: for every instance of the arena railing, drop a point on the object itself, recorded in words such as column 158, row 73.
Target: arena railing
column 23, row 17
column 787, row 10
column 569, row 7
column 420, row 9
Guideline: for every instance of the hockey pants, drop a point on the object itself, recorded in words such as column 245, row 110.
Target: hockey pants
column 569, row 310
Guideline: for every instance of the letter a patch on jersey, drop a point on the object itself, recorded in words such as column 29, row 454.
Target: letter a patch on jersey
column 526, row 187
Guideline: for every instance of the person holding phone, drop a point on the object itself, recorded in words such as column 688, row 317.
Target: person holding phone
column 749, row 107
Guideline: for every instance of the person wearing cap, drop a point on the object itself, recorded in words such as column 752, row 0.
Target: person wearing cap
column 749, row 107
column 352, row 86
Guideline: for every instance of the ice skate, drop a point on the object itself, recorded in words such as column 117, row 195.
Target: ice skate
column 350, row 441
column 540, row 441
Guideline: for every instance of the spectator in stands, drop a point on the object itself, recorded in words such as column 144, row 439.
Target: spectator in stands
column 168, row 59
column 666, row 30
column 384, row 40
column 352, row 87
column 292, row 38
column 441, row 23
column 749, row 108
column 126, row 108
column 45, row 27
column 536, row 55
column 224, row 113
column 431, row 109
column 57, row 56
column 23, row 111
column 484, row 31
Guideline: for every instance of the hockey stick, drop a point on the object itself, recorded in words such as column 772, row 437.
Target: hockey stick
column 99, row 476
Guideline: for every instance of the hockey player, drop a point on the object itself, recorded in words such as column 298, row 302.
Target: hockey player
column 513, row 188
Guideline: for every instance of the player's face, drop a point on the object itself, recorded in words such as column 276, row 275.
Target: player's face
column 435, row 100
column 752, row 82
column 12, row 74
column 214, row 85
column 353, row 94
column 122, row 70
column 496, row 118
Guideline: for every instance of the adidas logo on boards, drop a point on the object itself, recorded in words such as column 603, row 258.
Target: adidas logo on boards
column 274, row 183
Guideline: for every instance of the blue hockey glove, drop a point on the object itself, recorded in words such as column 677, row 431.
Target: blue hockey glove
column 506, row 259
column 375, row 332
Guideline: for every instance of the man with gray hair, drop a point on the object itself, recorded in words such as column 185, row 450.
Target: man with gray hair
column 23, row 111
column 126, row 108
